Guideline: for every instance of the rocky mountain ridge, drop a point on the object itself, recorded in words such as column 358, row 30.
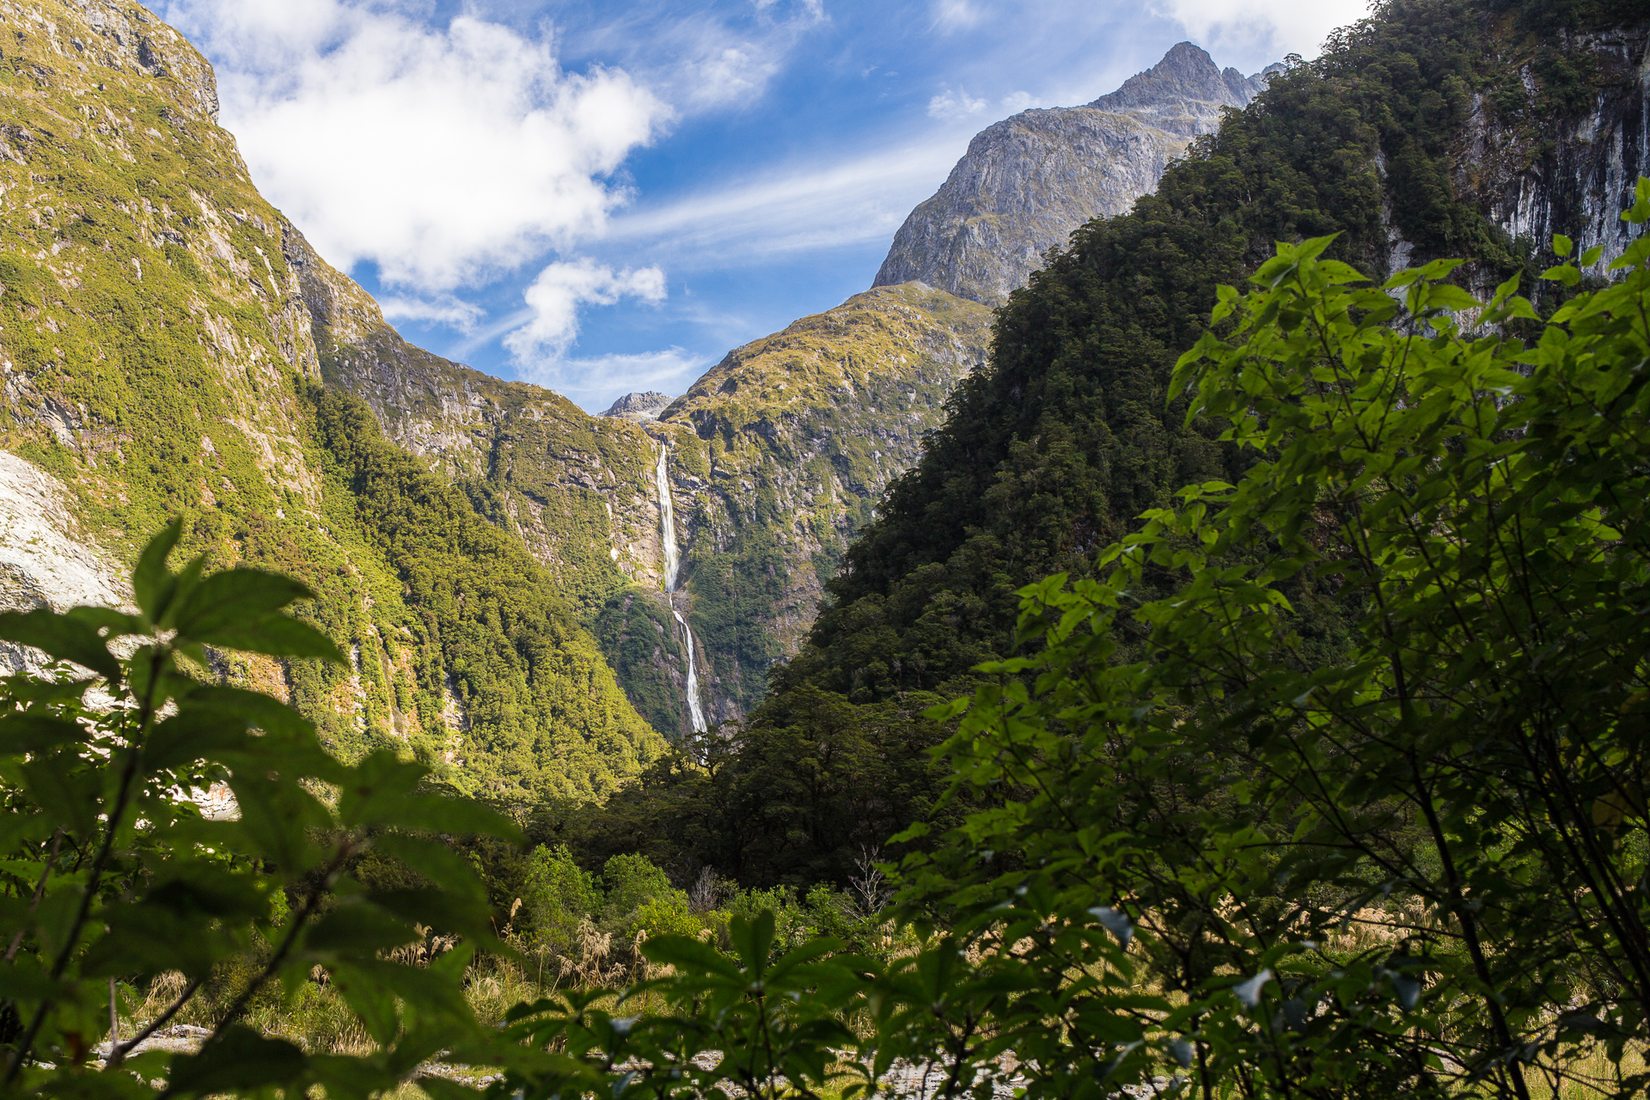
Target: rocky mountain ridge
column 640, row 407
column 1027, row 182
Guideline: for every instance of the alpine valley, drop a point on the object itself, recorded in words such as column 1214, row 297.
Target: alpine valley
column 174, row 346
column 1184, row 630
column 491, row 557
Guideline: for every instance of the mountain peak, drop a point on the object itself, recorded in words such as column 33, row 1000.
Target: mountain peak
column 1184, row 54
column 1027, row 182
column 1187, row 75
column 640, row 407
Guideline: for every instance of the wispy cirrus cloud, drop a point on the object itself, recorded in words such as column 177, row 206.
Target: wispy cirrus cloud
column 796, row 208
column 710, row 58
column 447, row 311
column 954, row 15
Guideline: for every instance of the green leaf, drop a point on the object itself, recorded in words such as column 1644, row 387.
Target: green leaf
column 235, row 596
column 152, row 584
column 689, row 955
column 30, row 732
column 240, row 1061
column 61, row 638
column 274, row 637
column 753, row 939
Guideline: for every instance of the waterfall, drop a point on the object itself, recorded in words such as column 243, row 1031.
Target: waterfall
column 673, row 566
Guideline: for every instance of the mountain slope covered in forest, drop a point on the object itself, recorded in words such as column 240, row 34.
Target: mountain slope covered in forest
column 159, row 359
column 196, row 310
column 1438, row 128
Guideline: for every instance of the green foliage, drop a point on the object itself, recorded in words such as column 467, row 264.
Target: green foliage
column 641, row 901
column 796, row 797
column 1403, row 866
column 1050, row 452
column 774, row 1025
column 1201, row 854
column 557, row 896
column 112, row 875
column 636, row 633
column 156, row 317
column 540, row 712
column 795, row 438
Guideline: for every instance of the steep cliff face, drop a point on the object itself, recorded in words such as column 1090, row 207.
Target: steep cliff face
column 45, row 559
column 1535, row 182
column 1028, row 182
column 158, row 358
column 794, row 439
column 575, row 488
column 776, row 459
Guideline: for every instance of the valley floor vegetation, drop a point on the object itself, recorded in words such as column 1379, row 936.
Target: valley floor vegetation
column 1330, row 783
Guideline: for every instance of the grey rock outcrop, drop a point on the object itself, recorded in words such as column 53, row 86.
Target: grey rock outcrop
column 640, row 407
column 1026, row 183
column 1577, row 181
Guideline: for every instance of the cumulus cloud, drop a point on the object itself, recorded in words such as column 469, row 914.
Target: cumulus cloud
column 954, row 103
column 547, row 328
column 443, row 154
column 1275, row 26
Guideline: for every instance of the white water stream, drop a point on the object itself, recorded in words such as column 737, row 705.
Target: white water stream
column 673, row 565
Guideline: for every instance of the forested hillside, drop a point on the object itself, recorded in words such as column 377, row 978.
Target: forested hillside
column 1441, row 127
column 153, row 299
column 159, row 361
column 1243, row 697
column 776, row 457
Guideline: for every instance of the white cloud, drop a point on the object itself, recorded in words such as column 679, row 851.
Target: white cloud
column 955, row 15
column 954, row 103
column 796, row 209
column 444, row 155
column 550, row 324
column 446, row 311
column 703, row 61
column 1276, row 27
column 1015, row 102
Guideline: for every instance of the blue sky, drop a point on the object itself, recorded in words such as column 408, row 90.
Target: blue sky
column 606, row 195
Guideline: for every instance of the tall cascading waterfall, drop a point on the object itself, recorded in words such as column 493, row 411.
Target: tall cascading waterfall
column 673, row 564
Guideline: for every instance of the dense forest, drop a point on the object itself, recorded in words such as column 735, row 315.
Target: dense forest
column 1051, row 453
column 1244, row 696
column 1196, row 842
column 519, row 673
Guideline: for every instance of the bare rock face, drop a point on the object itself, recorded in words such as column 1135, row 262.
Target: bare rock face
column 1578, row 181
column 640, row 407
column 1028, row 182
column 45, row 559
